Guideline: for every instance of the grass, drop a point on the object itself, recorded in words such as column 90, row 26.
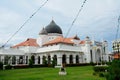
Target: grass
column 74, row 73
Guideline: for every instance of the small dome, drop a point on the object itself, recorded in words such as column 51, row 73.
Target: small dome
column 53, row 28
column 43, row 31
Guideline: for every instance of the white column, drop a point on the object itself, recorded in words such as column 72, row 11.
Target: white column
column 36, row 59
column 10, row 61
column 41, row 59
column 74, row 59
column 59, row 60
column 25, row 59
column 67, row 59
column 17, row 60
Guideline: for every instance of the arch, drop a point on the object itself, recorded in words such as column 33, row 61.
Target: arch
column 26, row 59
column 44, row 61
column 49, row 59
column 55, row 59
column 13, row 60
column 6, row 59
column 91, row 55
column 77, row 59
column 64, row 59
column 38, row 59
column 21, row 60
column 98, row 55
column 33, row 59
column 71, row 59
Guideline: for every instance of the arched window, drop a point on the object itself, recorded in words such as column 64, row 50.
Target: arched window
column 33, row 59
column 91, row 56
column 98, row 56
column 38, row 59
column 49, row 59
column 44, row 61
column 21, row 60
column 77, row 59
column 55, row 59
column 71, row 59
column 6, row 59
column 64, row 59
column 13, row 60
column 26, row 59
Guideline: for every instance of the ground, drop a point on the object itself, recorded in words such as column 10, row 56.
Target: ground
column 74, row 73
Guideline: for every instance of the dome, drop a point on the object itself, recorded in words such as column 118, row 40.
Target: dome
column 53, row 28
column 43, row 31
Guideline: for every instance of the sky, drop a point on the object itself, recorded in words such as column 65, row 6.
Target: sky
column 98, row 19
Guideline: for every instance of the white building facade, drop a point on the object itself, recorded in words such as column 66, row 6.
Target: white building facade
column 52, row 46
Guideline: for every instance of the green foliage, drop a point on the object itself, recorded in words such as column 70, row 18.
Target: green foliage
column 114, row 71
column 1, row 65
column 45, row 62
column 8, row 66
column 30, row 62
column 101, row 74
column 7, row 58
column 54, row 62
column 94, row 73
column 100, row 68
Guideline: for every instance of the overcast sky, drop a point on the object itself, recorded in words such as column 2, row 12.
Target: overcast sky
column 98, row 19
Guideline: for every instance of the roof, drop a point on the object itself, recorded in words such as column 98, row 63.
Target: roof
column 28, row 42
column 62, row 40
column 53, row 28
column 116, row 56
column 82, row 42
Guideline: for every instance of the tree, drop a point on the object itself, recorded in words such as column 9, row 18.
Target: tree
column 30, row 62
column 54, row 62
column 114, row 71
column 1, row 65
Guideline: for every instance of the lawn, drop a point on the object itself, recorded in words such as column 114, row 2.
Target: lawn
column 74, row 73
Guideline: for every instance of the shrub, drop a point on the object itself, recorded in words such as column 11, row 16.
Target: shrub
column 114, row 71
column 100, row 68
column 8, row 66
column 1, row 65
column 94, row 73
column 101, row 74
column 30, row 63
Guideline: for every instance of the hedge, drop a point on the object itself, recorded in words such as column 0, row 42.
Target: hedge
column 100, row 68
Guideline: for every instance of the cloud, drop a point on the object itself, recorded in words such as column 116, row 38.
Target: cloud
column 98, row 18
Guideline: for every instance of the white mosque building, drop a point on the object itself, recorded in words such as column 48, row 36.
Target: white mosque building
column 52, row 45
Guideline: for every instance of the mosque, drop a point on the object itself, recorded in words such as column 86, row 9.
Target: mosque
column 51, row 45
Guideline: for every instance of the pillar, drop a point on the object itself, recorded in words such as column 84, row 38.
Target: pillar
column 67, row 59
column 41, row 59
column 74, row 59
column 59, row 59
column 36, row 59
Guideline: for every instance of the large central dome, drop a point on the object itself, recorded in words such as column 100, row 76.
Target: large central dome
column 53, row 28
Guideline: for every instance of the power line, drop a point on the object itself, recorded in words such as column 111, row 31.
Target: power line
column 117, row 32
column 81, row 7
column 25, row 23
